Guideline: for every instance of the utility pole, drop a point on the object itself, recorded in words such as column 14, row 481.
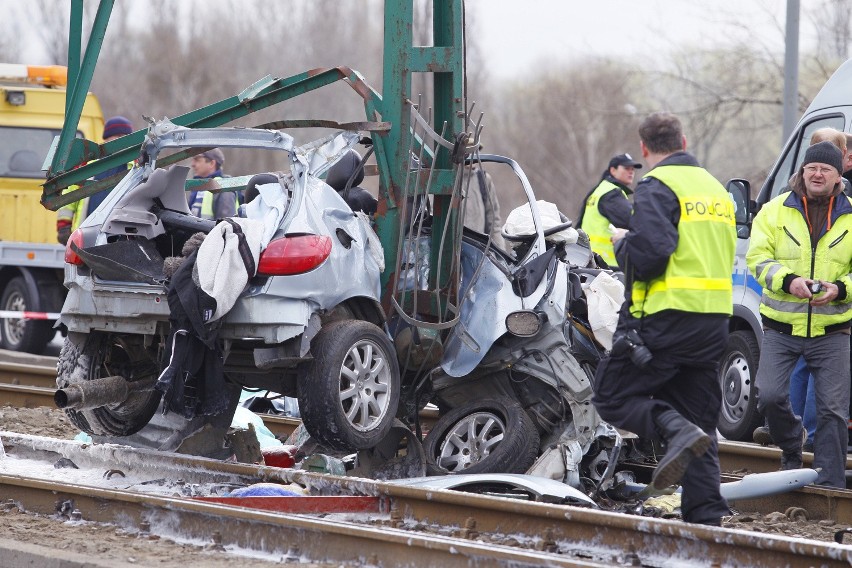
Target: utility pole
column 791, row 70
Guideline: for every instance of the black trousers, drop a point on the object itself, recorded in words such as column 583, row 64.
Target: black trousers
column 682, row 376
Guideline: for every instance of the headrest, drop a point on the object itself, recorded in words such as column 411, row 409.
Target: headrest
column 341, row 171
column 256, row 180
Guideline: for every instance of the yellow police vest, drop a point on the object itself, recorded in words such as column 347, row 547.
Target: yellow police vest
column 698, row 275
column 207, row 205
column 596, row 225
column 76, row 210
column 780, row 245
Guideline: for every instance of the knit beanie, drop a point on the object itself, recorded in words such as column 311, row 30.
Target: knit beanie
column 117, row 126
column 824, row 153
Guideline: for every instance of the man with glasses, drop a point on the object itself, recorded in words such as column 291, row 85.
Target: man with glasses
column 801, row 253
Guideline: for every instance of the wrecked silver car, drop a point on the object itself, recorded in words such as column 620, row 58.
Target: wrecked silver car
column 513, row 383
column 260, row 301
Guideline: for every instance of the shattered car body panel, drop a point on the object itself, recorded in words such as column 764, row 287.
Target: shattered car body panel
column 120, row 322
column 487, row 298
column 271, row 309
column 537, row 488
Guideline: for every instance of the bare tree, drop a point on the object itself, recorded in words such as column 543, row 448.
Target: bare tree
column 10, row 42
column 49, row 20
column 187, row 59
column 833, row 19
column 564, row 125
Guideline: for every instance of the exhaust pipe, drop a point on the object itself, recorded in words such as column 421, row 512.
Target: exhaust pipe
column 99, row 392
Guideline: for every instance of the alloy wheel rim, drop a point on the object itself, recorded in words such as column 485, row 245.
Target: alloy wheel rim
column 470, row 440
column 365, row 385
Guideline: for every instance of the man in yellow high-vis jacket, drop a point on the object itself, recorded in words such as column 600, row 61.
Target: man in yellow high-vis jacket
column 607, row 204
column 801, row 253
column 69, row 216
column 205, row 204
column 660, row 380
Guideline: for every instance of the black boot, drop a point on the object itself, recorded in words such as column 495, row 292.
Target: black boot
column 684, row 441
column 792, row 459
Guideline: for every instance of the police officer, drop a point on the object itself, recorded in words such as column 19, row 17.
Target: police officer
column 607, row 204
column 660, row 379
column 801, row 253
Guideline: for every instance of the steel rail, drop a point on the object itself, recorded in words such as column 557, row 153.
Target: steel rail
column 21, row 396
column 555, row 527
column 744, row 457
column 270, row 533
column 28, row 375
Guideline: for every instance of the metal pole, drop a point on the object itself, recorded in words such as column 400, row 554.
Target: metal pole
column 791, row 70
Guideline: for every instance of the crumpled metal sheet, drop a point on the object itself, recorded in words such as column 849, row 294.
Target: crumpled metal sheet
column 127, row 260
column 541, row 488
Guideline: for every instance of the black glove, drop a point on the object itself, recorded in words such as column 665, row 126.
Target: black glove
column 63, row 234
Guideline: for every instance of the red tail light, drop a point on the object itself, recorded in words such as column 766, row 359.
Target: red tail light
column 294, row 255
column 71, row 256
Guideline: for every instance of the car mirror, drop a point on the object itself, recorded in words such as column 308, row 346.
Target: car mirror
column 740, row 192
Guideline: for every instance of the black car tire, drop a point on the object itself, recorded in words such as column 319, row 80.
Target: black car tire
column 85, row 357
column 737, row 375
column 25, row 335
column 349, row 396
column 486, row 436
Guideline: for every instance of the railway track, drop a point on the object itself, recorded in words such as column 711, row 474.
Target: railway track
column 22, row 385
column 405, row 525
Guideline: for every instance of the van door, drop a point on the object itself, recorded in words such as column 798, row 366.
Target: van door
column 794, row 153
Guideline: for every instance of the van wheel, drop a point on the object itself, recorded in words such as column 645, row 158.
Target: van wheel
column 26, row 335
column 349, row 396
column 737, row 374
column 486, row 436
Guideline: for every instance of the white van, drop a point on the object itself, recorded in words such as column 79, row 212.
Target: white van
column 832, row 107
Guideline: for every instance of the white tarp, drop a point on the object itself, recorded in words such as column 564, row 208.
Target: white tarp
column 604, row 296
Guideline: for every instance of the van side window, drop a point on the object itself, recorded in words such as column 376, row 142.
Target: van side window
column 796, row 151
column 23, row 150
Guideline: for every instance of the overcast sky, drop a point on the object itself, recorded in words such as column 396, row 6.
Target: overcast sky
column 518, row 33
column 515, row 34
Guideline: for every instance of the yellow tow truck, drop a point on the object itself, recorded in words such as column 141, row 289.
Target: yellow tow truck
column 32, row 111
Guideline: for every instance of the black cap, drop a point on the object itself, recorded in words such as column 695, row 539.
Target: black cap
column 624, row 160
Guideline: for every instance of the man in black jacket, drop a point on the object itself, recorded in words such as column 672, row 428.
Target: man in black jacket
column 678, row 254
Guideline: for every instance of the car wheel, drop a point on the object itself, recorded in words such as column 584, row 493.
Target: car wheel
column 26, row 335
column 737, row 374
column 486, row 436
column 349, row 396
column 85, row 357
